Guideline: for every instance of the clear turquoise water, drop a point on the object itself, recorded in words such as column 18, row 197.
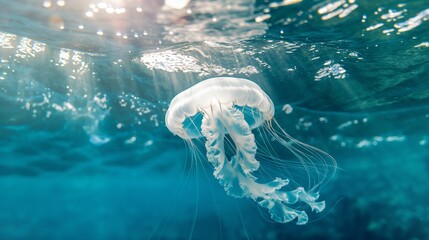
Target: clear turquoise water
column 85, row 154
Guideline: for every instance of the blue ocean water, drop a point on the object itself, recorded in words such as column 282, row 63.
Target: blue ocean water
column 85, row 85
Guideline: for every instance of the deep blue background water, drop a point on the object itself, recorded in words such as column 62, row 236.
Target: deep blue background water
column 84, row 86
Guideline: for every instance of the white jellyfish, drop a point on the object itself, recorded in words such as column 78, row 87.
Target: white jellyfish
column 215, row 108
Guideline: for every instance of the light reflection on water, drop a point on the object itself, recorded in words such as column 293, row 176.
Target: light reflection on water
column 221, row 29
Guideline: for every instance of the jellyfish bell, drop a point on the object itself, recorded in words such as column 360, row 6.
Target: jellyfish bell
column 219, row 107
column 208, row 95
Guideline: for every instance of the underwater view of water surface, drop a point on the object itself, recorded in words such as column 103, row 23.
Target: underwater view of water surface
column 85, row 86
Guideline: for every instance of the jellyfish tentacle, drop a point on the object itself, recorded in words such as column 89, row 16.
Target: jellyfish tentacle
column 236, row 175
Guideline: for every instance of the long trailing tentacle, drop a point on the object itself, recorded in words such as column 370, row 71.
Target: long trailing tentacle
column 313, row 159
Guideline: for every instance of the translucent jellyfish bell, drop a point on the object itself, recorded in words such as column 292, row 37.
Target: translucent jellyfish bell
column 217, row 107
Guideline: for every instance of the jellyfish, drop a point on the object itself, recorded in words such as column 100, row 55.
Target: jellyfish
column 224, row 109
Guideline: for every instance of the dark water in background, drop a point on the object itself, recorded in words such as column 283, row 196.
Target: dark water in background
column 84, row 86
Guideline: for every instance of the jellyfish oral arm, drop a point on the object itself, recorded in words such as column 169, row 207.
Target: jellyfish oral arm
column 236, row 175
